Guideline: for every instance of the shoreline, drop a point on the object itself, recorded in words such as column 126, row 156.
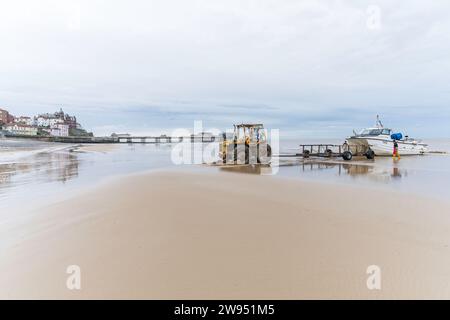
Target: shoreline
column 204, row 235
column 69, row 139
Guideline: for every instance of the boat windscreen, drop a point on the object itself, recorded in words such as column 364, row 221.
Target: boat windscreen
column 371, row 132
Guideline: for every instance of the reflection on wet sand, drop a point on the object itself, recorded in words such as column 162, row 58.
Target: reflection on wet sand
column 42, row 167
column 373, row 172
column 396, row 172
column 354, row 170
column 248, row 169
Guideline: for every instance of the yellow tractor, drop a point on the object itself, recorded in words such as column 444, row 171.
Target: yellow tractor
column 247, row 145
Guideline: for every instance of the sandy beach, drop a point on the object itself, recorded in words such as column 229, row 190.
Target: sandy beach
column 184, row 235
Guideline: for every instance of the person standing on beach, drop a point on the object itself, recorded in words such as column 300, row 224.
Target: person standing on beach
column 395, row 154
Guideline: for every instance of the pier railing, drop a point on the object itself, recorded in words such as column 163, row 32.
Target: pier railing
column 165, row 139
column 119, row 139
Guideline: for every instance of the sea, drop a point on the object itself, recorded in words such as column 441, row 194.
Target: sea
column 35, row 174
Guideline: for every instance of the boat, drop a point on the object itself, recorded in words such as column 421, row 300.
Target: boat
column 381, row 141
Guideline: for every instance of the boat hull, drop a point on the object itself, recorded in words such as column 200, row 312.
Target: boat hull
column 384, row 147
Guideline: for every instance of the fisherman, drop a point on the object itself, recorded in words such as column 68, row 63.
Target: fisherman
column 345, row 146
column 395, row 154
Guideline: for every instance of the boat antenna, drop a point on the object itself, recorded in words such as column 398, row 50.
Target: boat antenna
column 379, row 124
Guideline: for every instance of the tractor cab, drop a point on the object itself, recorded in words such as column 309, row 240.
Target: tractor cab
column 249, row 133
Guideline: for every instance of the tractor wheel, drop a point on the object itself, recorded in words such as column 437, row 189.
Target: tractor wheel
column 268, row 155
column 242, row 155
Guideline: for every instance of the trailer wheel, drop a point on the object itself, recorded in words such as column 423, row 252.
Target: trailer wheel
column 347, row 155
column 306, row 154
column 370, row 154
column 328, row 153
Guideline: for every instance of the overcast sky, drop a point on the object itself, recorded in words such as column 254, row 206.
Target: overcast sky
column 143, row 66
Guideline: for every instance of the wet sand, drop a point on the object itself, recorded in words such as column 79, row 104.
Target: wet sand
column 98, row 147
column 180, row 235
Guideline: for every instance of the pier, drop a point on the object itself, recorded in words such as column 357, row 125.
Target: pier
column 118, row 139
column 164, row 139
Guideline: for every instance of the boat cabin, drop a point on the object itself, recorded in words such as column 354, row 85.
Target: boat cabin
column 370, row 132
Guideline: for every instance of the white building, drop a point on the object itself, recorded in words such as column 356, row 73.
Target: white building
column 25, row 120
column 47, row 121
column 55, row 121
column 59, row 130
column 42, row 121
column 21, row 129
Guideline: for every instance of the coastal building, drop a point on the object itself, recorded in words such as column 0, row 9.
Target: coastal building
column 47, row 121
column 44, row 131
column 21, row 129
column 5, row 117
column 24, row 120
column 71, row 121
column 59, row 130
column 57, row 124
column 52, row 119
column 41, row 121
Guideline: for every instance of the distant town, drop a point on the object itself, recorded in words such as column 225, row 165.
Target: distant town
column 62, row 127
column 58, row 124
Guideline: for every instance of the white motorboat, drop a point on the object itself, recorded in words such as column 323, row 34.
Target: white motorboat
column 381, row 141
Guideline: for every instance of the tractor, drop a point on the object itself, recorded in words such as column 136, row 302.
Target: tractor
column 247, row 145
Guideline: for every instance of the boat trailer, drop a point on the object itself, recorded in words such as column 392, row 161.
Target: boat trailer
column 346, row 151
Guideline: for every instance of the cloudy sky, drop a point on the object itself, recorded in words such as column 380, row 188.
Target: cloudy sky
column 307, row 67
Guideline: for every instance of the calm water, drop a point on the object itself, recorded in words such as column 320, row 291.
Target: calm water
column 35, row 173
